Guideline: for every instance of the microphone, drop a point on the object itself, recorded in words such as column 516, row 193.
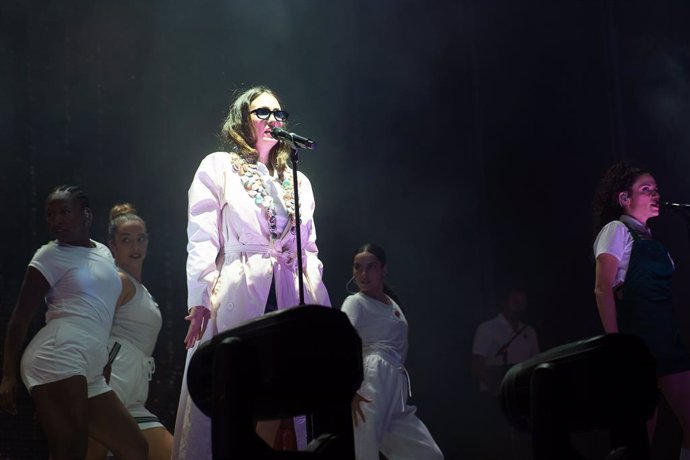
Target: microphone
column 295, row 140
column 670, row 205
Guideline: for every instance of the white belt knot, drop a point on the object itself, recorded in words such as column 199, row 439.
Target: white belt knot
column 274, row 249
column 284, row 256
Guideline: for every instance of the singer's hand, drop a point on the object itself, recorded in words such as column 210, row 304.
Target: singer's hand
column 198, row 320
column 357, row 408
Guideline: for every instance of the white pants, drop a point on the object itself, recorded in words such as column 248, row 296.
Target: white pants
column 391, row 425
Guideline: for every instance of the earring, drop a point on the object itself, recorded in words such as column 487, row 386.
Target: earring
column 347, row 286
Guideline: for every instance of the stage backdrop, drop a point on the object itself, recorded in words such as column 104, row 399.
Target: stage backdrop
column 466, row 137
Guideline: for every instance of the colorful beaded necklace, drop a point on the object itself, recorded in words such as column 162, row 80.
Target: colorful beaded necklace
column 251, row 180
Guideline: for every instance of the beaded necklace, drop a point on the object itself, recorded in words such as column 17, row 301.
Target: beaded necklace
column 251, row 180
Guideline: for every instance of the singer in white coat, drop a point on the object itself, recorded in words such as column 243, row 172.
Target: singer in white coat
column 384, row 421
column 242, row 250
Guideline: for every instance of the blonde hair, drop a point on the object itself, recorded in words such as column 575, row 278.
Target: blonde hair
column 119, row 214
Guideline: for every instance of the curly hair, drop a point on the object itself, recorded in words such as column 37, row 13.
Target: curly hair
column 119, row 214
column 618, row 178
column 237, row 132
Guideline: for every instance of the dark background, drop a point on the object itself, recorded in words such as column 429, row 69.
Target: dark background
column 464, row 136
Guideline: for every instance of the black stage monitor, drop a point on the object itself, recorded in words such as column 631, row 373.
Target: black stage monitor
column 305, row 360
column 604, row 382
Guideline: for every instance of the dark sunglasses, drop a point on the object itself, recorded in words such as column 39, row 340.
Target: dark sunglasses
column 264, row 113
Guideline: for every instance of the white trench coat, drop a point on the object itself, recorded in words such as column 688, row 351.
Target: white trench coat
column 232, row 260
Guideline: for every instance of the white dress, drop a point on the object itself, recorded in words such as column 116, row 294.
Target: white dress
column 391, row 425
column 234, row 255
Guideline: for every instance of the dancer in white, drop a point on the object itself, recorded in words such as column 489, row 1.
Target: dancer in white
column 242, row 250
column 383, row 420
column 135, row 330
column 62, row 367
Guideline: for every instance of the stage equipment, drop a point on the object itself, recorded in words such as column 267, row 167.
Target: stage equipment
column 604, row 382
column 293, row 139
column 305, row 360
column 683, row 209
column 295, row 142
column 675, row 206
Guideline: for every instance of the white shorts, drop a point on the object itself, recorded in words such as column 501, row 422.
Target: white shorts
column 61, row 350
column 129, row 378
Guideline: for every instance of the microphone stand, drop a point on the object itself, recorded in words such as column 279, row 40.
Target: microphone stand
column 294, row 159
column 686, row 215
column 318, row 421
column 685, row 212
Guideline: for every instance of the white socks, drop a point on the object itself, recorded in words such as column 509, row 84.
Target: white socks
column 684, row 454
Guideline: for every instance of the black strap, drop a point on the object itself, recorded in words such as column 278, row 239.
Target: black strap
column 112, row 354
column 504, row 348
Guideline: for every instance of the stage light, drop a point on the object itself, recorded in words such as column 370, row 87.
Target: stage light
column 303, row 360
column 604, row 382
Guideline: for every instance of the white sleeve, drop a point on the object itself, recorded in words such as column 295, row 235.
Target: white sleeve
column 482, row 341
column 307, row 206
column 612, row 239
column 45, row 262
column 313, row 266
column 353, row 309
column 203, row 230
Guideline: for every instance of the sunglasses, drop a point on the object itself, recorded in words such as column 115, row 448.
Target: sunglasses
column 264, row 113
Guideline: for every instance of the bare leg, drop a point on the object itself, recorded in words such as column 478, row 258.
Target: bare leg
column 96, row 450
column 267, row 430
column 111, row 425
column 62, row 409
column 158, row 439
column 676, row 390
column 286, row 438
column 160, row 443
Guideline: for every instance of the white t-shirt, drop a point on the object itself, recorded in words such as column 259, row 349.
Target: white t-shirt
column 84, row 285
column 491, row 335
column 615, row 239
column 381, row 327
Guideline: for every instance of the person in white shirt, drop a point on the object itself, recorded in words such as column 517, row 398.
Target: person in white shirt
column 633, row 281
column 136, row 325
column 383, row 420
column 62, row 367
column 499, row 343
column 503, row 341
column 242, row 250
